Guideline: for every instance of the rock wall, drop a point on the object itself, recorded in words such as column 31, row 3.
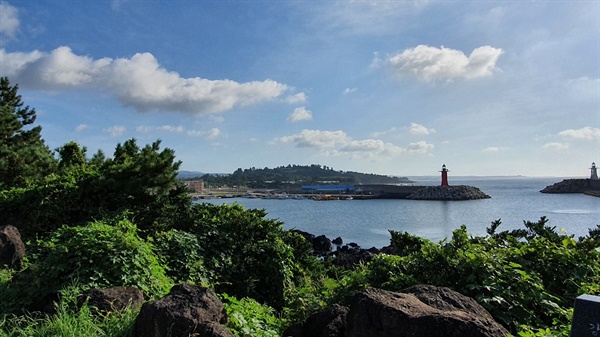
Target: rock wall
column 459, row 192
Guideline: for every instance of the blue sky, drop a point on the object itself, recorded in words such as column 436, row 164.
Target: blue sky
column 389, row 87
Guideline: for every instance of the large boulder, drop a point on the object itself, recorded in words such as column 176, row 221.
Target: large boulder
column 111, row 299
column 322, row 245
column 330, row 322
column 186, row 310
column 376, row 312
column 12, row 249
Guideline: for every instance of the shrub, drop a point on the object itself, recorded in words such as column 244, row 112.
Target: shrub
column 96, row 255
column 248, row 318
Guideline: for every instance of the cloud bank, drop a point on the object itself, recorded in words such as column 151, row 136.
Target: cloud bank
column 432, row 64
column 336, row 143
column 139, row 82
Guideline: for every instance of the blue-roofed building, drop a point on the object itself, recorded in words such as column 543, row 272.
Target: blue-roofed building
column 328, row 188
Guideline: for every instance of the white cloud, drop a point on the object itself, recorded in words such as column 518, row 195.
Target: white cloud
column 210, row 134
column 139, row 82
column 300, row 114
column 338, row 143
column 81, row 127
column 317, row 138
column 349, row 91
column 555, row 146
column 115, row 130
column 431, row 64
column 494, row 149
column 421, row 147
column 418, row 129
column 296, row 99
column 163, row 128
column 9, row 19
column 170, row 128
column 373, row 148
column 586, row 133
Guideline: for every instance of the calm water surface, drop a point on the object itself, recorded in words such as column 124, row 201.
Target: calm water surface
column 367, row 222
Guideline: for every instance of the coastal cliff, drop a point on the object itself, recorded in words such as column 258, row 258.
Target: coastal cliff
column 459, row 192
column 585, row 186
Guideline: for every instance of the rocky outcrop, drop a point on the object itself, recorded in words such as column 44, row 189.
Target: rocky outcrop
column 376, row 312
column 459, row 192
column 420, row 311
column 111, row 299
column 12, row 248
column 188, row 310
column 330, row 322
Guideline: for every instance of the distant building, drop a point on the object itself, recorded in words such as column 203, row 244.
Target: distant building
column 328, row 188
column 196, row 186
column 444, row 175
column 594, row 173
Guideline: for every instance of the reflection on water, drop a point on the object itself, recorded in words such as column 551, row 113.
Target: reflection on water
column 367, row 222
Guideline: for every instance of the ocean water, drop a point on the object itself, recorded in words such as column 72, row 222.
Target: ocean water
column 367, row 222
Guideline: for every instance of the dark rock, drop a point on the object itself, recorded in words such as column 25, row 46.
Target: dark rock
column 337, row 241
column 117, row 298
column 186, row 310
column 322, row 245
column 350, row 258
column 307, row 236
column 12, row 249
column 443, row 298
column 376, row 312
column 459, row 192
column 330, row 322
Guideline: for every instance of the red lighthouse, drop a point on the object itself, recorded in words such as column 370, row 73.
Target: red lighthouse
column 444, row 175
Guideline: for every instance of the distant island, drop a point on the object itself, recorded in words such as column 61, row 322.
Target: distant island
column 293, row 176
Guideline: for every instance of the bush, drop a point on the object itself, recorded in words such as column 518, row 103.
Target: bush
column 248, row 318
column 97, row 255
column 524, row 278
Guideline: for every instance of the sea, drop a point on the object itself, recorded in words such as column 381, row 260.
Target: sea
column 368, row 222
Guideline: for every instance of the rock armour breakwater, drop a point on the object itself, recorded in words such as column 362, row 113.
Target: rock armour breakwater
column 459, row 192
column 585, row 186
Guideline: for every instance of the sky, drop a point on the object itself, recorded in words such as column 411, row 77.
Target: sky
column 387, row 87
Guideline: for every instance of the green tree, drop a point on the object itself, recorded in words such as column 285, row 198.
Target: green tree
column 23, row 155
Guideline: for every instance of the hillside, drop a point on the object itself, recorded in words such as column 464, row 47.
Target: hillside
column 295, row 175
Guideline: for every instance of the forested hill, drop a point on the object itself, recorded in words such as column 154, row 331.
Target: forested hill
column 298, row 175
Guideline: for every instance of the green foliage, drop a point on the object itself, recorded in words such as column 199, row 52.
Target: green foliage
column 248, row 318
column 181, row 252
column 244, row 251
column 23, row 155
column 139, row 180
column 96, row 255
column 69, row 320
column 525, row 278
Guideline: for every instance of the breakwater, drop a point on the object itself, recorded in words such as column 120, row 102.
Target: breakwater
column 585, row 186
column 458, row 192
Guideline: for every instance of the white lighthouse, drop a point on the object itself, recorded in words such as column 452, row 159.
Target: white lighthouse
column 594, row 173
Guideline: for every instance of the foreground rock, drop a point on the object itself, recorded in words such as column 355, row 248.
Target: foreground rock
column 459, row 192
column 420, row 311
column 111, row 299
column 188, row 310
column 12, row 249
